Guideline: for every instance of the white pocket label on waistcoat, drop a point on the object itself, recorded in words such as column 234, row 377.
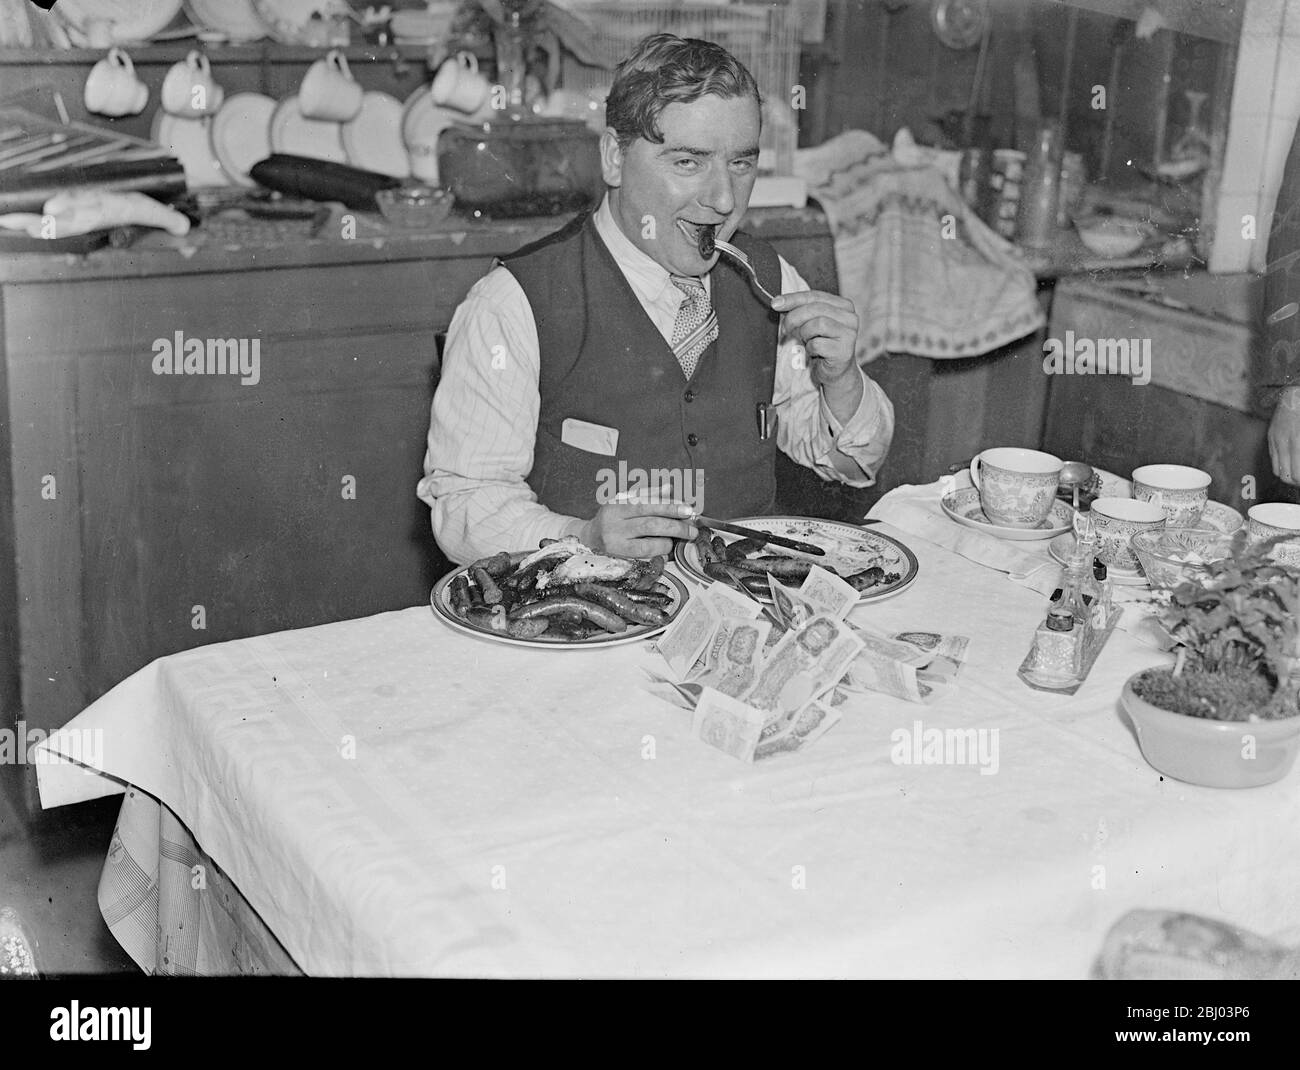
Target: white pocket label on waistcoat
column 590, row 437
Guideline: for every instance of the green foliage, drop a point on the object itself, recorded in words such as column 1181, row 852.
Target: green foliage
column 1241, row 623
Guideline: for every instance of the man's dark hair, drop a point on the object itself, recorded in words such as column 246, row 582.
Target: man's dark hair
column 666, row 69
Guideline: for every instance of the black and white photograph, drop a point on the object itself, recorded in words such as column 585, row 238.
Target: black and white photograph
column 609, row 490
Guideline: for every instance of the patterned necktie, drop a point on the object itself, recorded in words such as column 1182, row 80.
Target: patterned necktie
column 696, row 325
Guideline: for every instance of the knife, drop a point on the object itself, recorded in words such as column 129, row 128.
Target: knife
column 752, row 533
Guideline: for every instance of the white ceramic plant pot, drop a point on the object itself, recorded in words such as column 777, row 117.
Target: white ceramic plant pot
column 1215, row 754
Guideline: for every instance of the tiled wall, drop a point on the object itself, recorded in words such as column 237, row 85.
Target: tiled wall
column 1265, row 109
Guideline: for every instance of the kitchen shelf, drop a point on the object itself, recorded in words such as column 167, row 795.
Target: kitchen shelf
column 170, row 52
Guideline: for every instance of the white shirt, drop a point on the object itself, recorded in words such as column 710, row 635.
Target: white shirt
column 484, row 420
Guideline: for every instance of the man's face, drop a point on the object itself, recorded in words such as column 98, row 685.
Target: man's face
column 702, row 174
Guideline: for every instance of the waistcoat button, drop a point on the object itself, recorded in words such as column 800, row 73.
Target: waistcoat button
column 692, row 439
column 689, row 395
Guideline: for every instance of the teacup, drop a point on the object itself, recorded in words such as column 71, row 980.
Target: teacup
column 189, row 89
column 329, row 91
column 1017, row 486
column 112, row 87
column 1116, row 521
column 1270, row 519
column 1179, row 490
column 459, row 85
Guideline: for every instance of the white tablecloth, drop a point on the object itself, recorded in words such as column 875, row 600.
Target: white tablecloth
column 397, row 798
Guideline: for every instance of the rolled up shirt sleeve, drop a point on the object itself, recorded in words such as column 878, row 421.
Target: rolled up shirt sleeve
column 483, row 427
column 808, row 433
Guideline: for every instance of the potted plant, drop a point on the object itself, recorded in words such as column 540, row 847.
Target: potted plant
column 1227, row 713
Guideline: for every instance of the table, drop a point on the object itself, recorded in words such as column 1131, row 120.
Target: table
column 394, row 798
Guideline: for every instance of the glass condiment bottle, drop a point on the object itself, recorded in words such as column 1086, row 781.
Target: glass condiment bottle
column 1056, row 645
column 1040, row 195
column 1101, row 610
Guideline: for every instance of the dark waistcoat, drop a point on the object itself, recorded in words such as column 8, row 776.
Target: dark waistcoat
column 603, row 361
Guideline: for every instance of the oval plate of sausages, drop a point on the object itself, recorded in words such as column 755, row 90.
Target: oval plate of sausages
column 562, row 594
column 876, row 564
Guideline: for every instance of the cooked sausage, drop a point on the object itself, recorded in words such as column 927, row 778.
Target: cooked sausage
column 783, row 568
column 606, row 618
column 474, row 590
column 618, row 601
column 742, row 548
column 527, row 629
column 565, row 630
column 704, row 547
column 525, row 579
column 725, row 571
column 866, row 579
column 491, row 592
column 489, row 618
column 459, row 594
column 496, row 566
column 719, row 545
column 657, row 597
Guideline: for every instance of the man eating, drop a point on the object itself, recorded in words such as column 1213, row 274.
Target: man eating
column 621, row 344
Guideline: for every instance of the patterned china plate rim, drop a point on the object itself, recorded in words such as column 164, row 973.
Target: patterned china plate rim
column 438, row 599
column 688, row 561
column 953, row 505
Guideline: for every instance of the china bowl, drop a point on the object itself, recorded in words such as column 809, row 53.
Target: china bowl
column 1169, row 556
column 1112, row 236
column 1215, row 754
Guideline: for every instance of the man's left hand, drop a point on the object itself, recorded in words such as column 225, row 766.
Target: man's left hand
column 826, row 325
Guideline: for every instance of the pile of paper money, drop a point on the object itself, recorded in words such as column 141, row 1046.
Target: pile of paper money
column 764, row 681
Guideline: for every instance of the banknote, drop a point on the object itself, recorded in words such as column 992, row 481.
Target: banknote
column 806, row 662
column 728, row 724
column 729, row 602
column 685, row 639
column 671, row 694
column 948, row 652
column 828, row 593
column 871, row 671
column 907, row 665
column 792, row 609
column 734, row 655
column 809, row 725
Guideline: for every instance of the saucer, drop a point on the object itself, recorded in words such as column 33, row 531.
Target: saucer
column 241, row 134
column 963, row 506
column 1220, row 517
column 1062, row 548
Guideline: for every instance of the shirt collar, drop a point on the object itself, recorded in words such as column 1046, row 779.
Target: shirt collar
column 648, row 279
